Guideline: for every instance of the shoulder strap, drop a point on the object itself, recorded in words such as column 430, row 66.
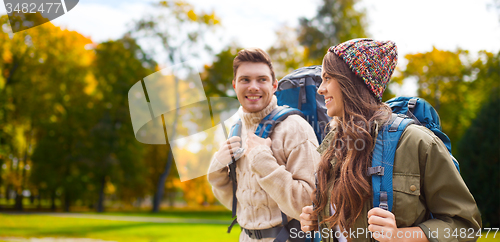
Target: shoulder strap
column 264, row 130
column 383, row 160
column 235, row 131
column 266, row 126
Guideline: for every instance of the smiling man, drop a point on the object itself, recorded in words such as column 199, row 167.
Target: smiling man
column 273, row 175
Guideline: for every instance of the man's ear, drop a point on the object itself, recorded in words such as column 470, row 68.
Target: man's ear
column 234, row 84
column 275, row 85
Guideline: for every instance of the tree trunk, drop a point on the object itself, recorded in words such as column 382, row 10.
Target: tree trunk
column 67, row 201
column 100, row 201
column 19, row 201
column 39, row 200
column 53, row 200
column 163, row 177
column 161, row 183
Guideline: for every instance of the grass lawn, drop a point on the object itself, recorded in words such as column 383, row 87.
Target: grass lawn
column 177, row 213
column 43, row 226
column 29, row 226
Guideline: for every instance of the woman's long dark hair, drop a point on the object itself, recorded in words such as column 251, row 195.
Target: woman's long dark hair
column 352, row 147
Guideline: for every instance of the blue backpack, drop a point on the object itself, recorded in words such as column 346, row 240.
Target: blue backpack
column 299, row 90
column 406, row 110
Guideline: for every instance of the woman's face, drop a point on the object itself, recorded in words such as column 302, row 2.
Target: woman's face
column 330, row 89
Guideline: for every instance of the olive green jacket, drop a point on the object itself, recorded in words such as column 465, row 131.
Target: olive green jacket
column 431, row 185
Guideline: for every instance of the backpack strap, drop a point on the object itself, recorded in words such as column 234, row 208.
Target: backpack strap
column 264, row 130
column 235, row 131
column 383, row 160
column 412, row 103
column 266, row 126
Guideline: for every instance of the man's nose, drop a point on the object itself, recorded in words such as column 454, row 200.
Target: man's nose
column 254, row 86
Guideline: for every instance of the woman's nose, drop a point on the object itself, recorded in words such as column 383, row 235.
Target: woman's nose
column 321, row 90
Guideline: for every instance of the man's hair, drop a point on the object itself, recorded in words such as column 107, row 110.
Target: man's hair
column 255, row 55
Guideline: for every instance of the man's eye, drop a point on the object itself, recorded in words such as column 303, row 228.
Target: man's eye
column 263, row 79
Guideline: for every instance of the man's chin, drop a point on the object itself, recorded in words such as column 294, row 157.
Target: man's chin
column 253, row 108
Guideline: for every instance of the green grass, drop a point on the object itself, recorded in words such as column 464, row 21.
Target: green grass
column 215, row 214
column 27, row 226
column 490, row 237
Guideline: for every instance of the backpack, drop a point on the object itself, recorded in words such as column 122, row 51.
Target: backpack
column 406, row 111
column 299, row 90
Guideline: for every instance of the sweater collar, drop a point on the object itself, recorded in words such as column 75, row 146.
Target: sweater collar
column 253, row 119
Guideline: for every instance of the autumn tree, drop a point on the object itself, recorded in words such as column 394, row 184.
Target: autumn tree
column 175, row 33
column 44, row 69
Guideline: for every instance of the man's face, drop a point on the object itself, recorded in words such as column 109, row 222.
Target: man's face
column 254, row 86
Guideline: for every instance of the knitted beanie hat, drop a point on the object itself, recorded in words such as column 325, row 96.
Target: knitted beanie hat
column 374, row 61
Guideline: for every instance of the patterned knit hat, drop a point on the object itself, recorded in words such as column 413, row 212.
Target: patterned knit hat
column 374, row 61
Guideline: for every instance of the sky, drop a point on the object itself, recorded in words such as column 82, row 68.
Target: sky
column 415, row 26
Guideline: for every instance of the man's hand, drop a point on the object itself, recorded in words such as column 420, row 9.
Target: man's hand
column 254, row 141
column 227, row 149
column 308, row 222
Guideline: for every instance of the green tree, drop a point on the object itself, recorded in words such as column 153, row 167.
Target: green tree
column 479, row 155
column 217, row 77
column 286, row 53
column 335, row 22
column 116, row 156
column 445, row 79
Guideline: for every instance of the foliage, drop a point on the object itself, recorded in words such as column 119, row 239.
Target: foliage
column 336, row 21
column 465, row 92
column 287, row 54
column 479, row 158
column 453, row 83
column 175, row 31
column 44, row 70
column 217, row 78
column 114, row 152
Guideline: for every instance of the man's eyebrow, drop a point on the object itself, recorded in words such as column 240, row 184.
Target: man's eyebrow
column 250, row 76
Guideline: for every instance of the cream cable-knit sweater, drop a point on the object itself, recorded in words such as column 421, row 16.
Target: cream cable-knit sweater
column 270, row 180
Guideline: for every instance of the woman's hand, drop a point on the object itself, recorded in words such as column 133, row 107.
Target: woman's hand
column 382, row 224
column 308, row 222
column 254, row 141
